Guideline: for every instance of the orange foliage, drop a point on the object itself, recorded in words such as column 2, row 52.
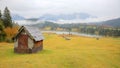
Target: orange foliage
column 10, row 32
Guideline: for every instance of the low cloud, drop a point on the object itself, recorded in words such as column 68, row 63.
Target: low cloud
column 36, row 8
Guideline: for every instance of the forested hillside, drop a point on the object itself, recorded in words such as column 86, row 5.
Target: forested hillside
column 113, row 23
column 106, row 28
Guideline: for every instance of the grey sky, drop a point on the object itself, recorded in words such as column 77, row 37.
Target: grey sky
column 36, row 8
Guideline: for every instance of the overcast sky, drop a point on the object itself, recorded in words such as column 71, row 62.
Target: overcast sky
column 36, row 8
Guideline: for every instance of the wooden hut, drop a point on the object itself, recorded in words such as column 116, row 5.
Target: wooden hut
column 28, row 40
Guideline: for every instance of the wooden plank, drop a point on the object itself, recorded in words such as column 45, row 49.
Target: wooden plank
column 23, row 41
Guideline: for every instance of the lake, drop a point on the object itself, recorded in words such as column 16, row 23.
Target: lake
column 74, row 33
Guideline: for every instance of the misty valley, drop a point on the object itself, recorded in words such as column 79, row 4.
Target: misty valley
column 59, row 34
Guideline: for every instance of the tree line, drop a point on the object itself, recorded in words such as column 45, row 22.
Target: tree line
column 81, row 28
column 7, row 28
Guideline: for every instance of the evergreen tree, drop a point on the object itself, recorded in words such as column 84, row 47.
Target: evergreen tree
column 1, row 23
column 2, row 34
column 7, row 18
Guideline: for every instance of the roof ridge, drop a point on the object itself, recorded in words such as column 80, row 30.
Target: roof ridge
column 33, row 32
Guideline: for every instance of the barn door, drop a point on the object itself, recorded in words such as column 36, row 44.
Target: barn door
column 23, row 41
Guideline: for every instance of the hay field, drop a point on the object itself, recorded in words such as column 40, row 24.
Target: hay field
column 79, row 52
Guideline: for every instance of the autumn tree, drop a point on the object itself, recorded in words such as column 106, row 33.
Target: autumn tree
column 10, row 32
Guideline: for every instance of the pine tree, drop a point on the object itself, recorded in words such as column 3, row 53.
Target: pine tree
column 1, row 22
column 7, row 18
column 2, row 35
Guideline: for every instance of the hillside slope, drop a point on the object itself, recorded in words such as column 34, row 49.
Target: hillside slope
column 113, row 22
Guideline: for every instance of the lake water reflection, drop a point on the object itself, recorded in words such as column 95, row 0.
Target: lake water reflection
column 74, row 33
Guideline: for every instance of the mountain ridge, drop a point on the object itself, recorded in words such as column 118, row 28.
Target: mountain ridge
column 112, row 22
column 17, row 17
column 53, row 17
column 73, row 16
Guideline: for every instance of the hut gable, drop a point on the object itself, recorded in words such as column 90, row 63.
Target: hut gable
column 28, row 40
column 33, row 32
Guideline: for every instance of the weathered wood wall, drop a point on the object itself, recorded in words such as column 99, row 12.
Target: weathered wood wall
column 24, row 44
column 30, row 43
column 23, row 41
column 15, row 43
column 38, row 46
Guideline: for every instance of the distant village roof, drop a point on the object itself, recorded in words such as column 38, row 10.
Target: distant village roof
column 33, row 32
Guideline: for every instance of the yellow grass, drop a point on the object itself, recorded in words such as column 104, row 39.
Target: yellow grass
column 79, row 52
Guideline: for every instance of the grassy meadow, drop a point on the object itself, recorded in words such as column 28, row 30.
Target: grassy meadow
column 79, row 52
